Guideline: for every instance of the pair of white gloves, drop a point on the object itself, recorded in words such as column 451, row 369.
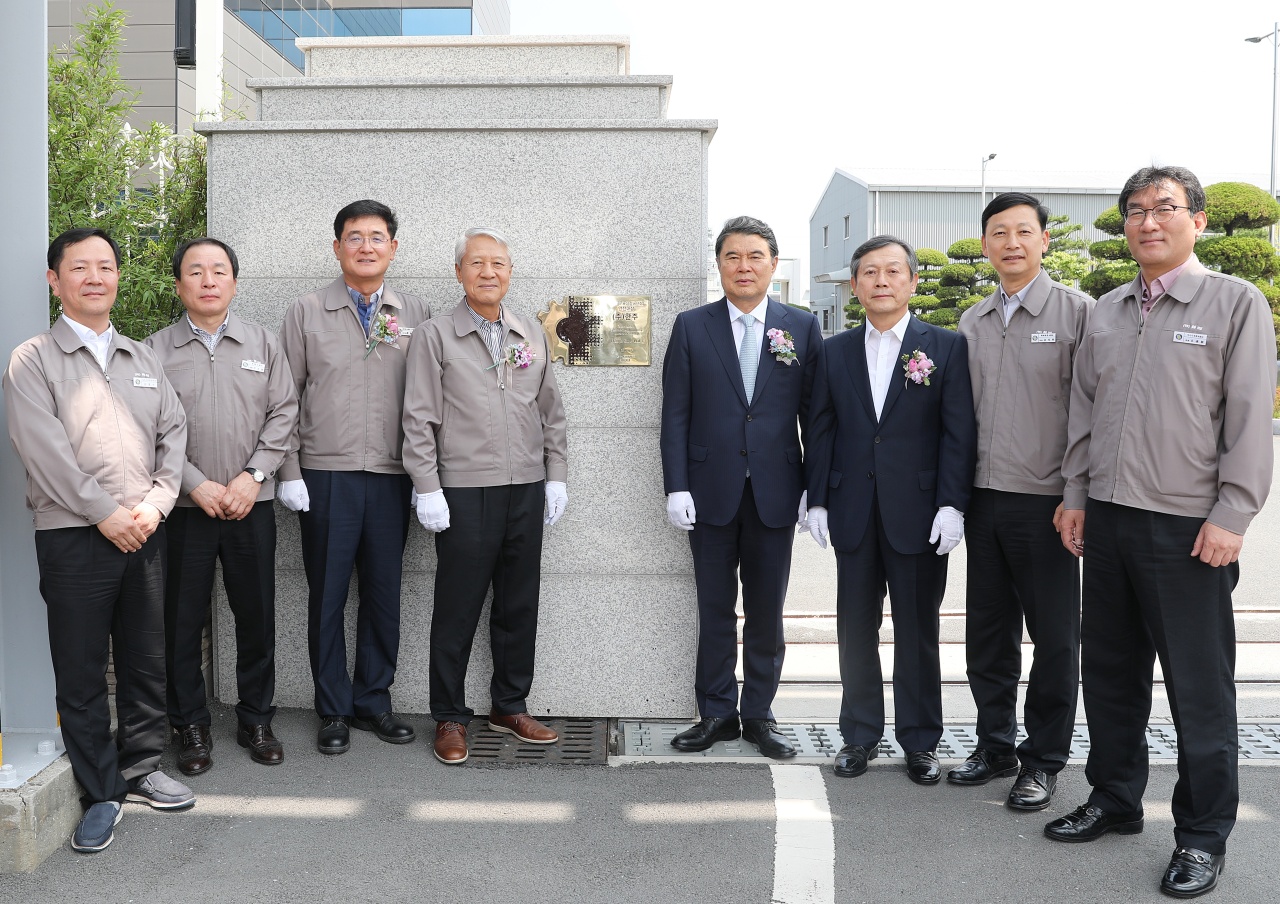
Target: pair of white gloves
column 948, row 524
column 681, row 514
column 432, row 509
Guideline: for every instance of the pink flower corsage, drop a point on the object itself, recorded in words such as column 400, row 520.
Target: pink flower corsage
column 917, row 367
column 782, row 346
column 519, row 354
column 384, row 329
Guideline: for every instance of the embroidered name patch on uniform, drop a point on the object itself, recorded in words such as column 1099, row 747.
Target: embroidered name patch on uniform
column 1190, row 338
column 250, row 364
column 146, row 381
column 1044, row 336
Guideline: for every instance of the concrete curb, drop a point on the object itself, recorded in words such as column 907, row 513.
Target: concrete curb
column 38, row 818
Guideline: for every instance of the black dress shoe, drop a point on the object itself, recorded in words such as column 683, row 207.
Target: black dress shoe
column 852, row 759
column 765, row 735
column 1086, row 823
column 706, row 733
column 982, row 766
column 923, row 768
column 387, row 726
column 1032, row 791
column 1192, row 873
column 264, row 747
column 334, row 736
column 195, row 749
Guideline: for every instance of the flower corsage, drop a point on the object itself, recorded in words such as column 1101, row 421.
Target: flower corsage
column 917, row 367
column 782, row 346
column 519, row 354
column 384, row 329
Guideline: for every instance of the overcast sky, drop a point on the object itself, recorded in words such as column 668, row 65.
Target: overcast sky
column 918, row 92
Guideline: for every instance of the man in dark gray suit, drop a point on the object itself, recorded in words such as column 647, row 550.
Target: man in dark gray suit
column 735, row 401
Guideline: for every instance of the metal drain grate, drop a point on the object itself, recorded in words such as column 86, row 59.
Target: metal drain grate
column 820, row 741
column 582, row 742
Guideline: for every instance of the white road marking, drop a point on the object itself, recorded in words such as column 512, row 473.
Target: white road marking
column 804, row 858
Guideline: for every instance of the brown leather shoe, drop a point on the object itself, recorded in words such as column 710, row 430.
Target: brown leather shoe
column 263, row 746
column 451, row 742
column 523, row 726
column 195, row 750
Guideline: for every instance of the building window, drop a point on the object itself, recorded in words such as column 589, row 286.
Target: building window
column 825, row 241
column 846, row 227
column 826, row 320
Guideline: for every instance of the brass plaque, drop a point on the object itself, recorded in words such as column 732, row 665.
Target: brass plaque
column 598, row 330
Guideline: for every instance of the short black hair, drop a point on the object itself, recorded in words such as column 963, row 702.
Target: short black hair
column 875, row 243
column 1003, row 201
column 747, row 226
column 366, row 208
column 204, row 240
column 58, row 247
column 1154, row 175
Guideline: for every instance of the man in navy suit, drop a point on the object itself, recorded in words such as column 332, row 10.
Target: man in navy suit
column 892, row 446
column 735, row 399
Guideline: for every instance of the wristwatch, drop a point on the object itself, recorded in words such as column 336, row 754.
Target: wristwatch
column 257, row 475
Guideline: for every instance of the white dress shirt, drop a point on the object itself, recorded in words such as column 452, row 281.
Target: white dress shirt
column 735, row 321
column 98, row 345
column 882, row 358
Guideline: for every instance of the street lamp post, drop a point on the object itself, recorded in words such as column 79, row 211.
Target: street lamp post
column 987, row 159
column 1275, row 57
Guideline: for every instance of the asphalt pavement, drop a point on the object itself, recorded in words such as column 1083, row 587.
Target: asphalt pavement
column 388, row 823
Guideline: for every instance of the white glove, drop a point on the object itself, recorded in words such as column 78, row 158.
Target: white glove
column 680, row 510
column 802, row 522
column 818, row 525
column 413, row 499
column 557, row 500
column 433, row 511
column 294, row 496
column 949, row 525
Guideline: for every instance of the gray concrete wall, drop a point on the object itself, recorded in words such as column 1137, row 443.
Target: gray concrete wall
column 591, row 206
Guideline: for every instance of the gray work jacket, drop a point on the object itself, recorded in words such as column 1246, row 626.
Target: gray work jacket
column 470, row 424
column 1174, row 414
column 92, row 440
column 239, row 400
column 350, row 401
column 1021, row 376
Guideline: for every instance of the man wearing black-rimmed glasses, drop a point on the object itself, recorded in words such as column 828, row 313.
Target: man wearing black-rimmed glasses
column 1169, row 457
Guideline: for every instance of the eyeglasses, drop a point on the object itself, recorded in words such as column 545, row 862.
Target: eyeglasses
column 1161, row 213
column 355, row 240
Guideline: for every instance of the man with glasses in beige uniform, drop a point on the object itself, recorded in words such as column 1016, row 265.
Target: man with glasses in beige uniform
column 1022, row 344
column 1169, row 458
column 346, row 345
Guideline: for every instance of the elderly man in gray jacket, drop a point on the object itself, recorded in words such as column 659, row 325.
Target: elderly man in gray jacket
column 1169, row 457
column 485, row 443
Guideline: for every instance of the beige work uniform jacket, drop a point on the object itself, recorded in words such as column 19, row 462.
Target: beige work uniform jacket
column 1021, row 376
column 350, row 402
column 239, row 400
column 92, row 440
column 1174, row 414
column 470, row 424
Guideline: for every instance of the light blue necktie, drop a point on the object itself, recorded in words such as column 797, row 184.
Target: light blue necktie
column 749, row 355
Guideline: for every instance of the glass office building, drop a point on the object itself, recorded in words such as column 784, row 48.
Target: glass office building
column 279, row 22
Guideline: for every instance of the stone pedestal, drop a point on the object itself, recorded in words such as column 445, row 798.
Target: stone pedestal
column 552, row 143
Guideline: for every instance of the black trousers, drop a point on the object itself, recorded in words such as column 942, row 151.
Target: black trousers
column 1143, row 596
column 764, row 556
column 95, row 594
column 915, row 584
column 358, row 521
column 1018, row 569
column 247, row 550
column 494, row 539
